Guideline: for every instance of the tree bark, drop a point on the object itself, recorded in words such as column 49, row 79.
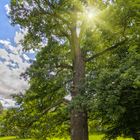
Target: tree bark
column 79, row 121
column 79, row 125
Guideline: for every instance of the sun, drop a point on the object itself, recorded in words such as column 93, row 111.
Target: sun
column 91, row 13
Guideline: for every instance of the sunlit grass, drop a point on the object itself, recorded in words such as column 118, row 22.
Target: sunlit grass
column 7, row 138
column 11, row 138
column 125, row 138
column 99, row 137
column 93, row 137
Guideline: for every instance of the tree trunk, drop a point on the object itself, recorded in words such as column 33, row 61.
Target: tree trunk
column 79, row 126
column 79, row 122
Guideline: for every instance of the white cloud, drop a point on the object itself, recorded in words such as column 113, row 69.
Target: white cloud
column 3, row 54
column 7, row 8
column 7, row 103
column 18, row 37
column 14, row 62
column 10, row 82
column 26, row 57
column 68, row 97
column 32, row 51
column 7, row 45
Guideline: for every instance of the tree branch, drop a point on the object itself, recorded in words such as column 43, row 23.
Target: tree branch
column 47, row 110
column 52, row 106
column 53, row 14
column 105, row 51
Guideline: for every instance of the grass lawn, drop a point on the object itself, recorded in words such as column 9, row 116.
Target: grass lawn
column 93, row 137
column 98, row 137
column 11, row 138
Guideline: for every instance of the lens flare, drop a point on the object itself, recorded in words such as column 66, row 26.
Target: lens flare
column 91, row 13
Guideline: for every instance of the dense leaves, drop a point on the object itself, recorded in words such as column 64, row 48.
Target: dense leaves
column 117, row 89
column 118, row 94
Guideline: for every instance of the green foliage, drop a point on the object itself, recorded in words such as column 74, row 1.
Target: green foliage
column 118, row 95
column 117, row 88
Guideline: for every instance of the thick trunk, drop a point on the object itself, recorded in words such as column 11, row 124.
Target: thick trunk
column 79, row 126
column 79, row 122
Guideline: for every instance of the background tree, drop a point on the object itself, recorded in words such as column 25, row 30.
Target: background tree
column 75, row 39
column 118, row 94
column 117, row 84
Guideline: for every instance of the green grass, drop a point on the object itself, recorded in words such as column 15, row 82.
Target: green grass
column 99, row 137
column 93, row 137
column 11, row 138
column 7, row 138
column 125, row 139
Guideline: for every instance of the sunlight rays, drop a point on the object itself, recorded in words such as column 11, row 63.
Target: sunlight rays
column 91, row 13
column 94, row 17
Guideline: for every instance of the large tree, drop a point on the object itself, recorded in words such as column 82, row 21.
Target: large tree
column 82, row 30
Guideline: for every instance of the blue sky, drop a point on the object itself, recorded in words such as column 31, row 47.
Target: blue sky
column 13, row 60
column 6, row 30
